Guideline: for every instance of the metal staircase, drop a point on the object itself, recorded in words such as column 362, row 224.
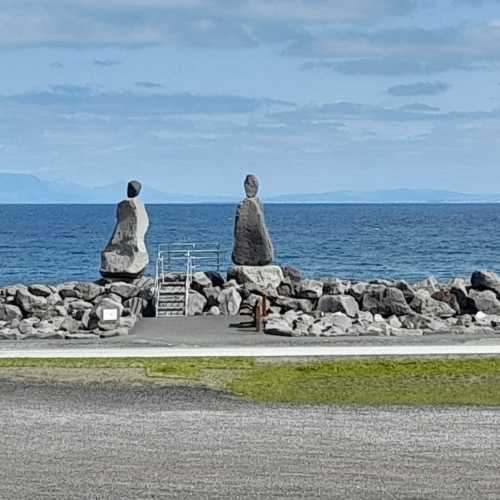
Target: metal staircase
column 175, row 265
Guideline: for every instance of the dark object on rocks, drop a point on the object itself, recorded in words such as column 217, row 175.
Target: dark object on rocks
column 252, row 243
column 126, row 256
column 215, row 278
column 133, row 189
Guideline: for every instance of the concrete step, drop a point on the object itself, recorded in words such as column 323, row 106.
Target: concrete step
column 169, row 314
column 171, row 305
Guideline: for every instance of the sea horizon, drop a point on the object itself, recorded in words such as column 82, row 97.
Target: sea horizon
column 51, row 243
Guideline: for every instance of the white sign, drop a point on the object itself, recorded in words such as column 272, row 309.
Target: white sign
column 110, row 314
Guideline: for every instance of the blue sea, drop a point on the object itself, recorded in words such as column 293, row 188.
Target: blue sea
column 54, row 243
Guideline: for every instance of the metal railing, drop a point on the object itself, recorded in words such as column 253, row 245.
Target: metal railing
column 185, row 258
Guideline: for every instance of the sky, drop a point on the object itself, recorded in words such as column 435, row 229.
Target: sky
column 188, row 96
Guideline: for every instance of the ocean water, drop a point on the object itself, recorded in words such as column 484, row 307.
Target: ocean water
column 55, row 243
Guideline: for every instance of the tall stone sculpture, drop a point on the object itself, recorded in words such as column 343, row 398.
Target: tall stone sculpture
column 126, row 255
column 252, row 243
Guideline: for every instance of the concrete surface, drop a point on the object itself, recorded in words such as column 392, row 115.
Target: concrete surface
column 116, row 442
column 307, row 351
column 228, row 332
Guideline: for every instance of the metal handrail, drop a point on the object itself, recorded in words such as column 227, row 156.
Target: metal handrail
column 191, row 255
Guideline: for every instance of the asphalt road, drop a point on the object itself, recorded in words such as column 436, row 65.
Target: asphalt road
column 99, row 441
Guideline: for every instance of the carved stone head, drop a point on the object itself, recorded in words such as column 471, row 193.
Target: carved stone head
column 251, row 186
column 133, row 189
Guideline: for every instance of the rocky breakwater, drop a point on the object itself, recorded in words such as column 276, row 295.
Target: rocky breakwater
column 73, row 310
column 332, row 307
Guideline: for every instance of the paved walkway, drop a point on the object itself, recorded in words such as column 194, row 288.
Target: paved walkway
column 223, row 336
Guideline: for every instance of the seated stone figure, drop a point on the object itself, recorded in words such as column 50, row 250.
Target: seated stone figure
column 252, row 243
column 126, row 255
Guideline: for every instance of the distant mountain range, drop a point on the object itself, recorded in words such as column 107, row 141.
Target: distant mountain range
column 22, row 188
column 388, row 196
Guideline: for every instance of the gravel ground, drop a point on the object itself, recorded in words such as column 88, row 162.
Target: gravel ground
column 138, row 441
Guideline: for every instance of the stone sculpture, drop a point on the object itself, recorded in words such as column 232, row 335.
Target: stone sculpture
column 252, row 243
column 126, row 255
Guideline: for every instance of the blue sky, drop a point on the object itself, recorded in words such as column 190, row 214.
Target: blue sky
column 310, row 95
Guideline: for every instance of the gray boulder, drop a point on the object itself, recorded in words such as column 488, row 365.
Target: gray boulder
column 380, row 299
column 485, row 280
column 287, row 304
column 105, row 315
column 252, row 242
column 277, row 325
column 309, row 289
column 334, row 287
column 459, row 288
column 213, row 311
column 431, row 285
column 303, row 324
column 229, row 301
column 87, row 291
column 9, row 312
column 126, row 256
column 449, row 298
column 40, row 290
column 339, row 320
column 357, row 290
column 339, row 303
column 485, row 301
column 423, row 303
column 263, row 276
column 123, row 290
column 28, row 302
column 407, row 290
column 200, row 281
column 196, row 303
column 286, row 288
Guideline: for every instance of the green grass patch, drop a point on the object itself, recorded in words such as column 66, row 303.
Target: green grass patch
column 473, row 381
column 379, row 382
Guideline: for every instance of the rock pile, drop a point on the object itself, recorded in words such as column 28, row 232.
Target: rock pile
column 297, row 307
column 331, row 307
column 73, row 310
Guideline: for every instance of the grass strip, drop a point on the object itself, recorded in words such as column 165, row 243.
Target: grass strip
column 465, row 381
